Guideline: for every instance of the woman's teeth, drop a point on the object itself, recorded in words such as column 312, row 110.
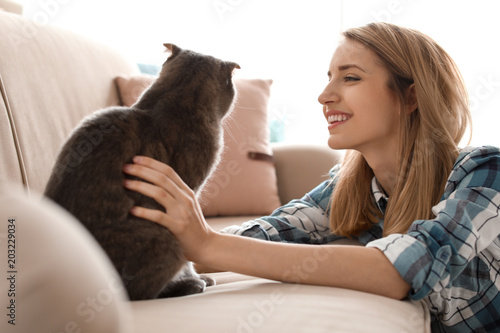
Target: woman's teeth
column 336, row 118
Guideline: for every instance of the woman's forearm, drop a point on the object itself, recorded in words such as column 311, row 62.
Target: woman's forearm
column 352, row 267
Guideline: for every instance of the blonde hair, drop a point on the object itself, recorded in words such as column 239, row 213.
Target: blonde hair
column 428, row 136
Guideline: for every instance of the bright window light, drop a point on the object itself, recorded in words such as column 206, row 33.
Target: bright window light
column 291, row 42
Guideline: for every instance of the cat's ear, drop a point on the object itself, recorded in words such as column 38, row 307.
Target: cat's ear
column 172, row 48
column 234, row 65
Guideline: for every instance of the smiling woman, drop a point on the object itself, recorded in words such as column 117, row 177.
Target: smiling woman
column 403, row 100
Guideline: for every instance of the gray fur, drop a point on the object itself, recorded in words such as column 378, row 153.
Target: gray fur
column 177, row 121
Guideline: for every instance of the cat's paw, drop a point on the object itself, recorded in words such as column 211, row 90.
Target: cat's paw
column 183, row 287
column 208, row 280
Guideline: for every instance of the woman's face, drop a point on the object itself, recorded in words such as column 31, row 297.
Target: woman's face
column 362, row 112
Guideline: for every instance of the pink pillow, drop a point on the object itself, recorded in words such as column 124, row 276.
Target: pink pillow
column 131, row 87
column 244, row 182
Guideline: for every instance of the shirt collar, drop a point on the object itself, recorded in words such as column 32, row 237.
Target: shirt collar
column 379, row 195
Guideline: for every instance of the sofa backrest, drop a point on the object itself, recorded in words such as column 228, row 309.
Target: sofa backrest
column 49, row 80
column 9, row 163
column 11, row 6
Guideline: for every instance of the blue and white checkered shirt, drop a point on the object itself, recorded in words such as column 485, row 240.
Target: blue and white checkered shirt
column 452, row 262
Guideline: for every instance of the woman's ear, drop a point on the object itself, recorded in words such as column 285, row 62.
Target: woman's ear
column 412, row 101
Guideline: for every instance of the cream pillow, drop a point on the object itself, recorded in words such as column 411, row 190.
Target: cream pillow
column 245, row 180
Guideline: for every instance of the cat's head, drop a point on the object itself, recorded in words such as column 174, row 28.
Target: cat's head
column 208, row 78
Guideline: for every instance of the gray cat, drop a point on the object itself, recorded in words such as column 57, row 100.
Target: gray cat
column 177, row 120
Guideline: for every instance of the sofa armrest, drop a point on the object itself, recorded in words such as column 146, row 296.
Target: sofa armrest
column 300, row 168
column 56, row 291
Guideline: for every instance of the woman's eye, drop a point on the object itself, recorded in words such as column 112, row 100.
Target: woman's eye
column 351, row 78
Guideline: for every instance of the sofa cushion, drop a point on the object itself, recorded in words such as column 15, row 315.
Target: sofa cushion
column 52, row 79
column 244, row 182
column 258, row 305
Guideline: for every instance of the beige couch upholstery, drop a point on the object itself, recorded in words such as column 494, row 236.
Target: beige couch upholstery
column 63, row 282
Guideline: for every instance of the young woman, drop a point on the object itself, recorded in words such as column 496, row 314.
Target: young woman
column 427, row 211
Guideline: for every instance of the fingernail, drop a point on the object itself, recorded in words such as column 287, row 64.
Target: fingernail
column 137, row 159
column 127, row 167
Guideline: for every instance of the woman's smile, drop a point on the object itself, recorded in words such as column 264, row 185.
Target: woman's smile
column 336, row 118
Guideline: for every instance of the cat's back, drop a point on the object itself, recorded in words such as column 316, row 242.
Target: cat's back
column 87, row 176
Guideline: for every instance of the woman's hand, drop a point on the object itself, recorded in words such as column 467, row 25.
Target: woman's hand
column 183, row 216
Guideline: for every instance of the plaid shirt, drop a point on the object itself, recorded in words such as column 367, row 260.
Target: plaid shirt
column 452, row 262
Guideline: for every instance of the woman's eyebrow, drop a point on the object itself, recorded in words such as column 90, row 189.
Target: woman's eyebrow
column 348, row 66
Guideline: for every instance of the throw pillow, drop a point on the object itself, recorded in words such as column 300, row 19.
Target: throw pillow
column 130, row 88
column 244, row 182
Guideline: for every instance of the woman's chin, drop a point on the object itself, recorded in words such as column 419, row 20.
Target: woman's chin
column 334, row 144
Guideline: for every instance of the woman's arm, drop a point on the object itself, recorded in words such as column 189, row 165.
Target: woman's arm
column 353, row 267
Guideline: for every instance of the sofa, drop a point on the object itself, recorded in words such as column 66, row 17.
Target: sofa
column 56, row 278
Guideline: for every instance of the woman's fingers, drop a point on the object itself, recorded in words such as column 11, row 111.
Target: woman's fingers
column 161, row 168
column 160, row 196
column 161, row 183
column 156, row 216
column 150, row 175
column 149, row 190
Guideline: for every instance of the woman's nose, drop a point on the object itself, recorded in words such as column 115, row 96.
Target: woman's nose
column 328, row 95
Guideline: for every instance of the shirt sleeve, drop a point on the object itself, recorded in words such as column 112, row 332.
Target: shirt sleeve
column 304, row 220
column 434, row 253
